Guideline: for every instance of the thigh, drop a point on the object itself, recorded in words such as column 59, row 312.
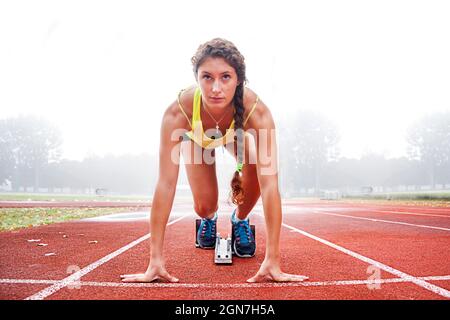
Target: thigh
column 200, row 167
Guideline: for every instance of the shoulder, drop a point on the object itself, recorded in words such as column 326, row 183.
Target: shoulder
column 173, row 115
column 186, row 98
column 261, row 116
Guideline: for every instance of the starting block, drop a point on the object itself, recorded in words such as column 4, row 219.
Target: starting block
column 224, row 246
column 197, row 225
column 223, row 253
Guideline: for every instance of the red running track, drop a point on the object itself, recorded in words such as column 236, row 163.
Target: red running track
column 349, row 251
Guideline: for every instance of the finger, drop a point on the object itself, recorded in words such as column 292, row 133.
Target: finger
column 129, row 279
column 131, row 275
column 285, row 277
column 257, row 278
column 134, row 279
column 281, row 278
column 300, row 278
column 139, row 278
column 167, row 276
column 297, row 277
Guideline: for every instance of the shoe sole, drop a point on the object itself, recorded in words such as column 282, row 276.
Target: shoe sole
column 243, row 255
column 206, row 248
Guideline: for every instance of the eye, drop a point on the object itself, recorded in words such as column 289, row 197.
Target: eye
column 227, row 76
column 206, row 77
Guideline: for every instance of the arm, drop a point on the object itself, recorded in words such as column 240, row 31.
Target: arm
column 169, row 153
column 165, row 188
column 267, row 170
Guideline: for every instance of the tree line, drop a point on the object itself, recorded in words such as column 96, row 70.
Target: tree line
column 30, row 158
column 309, row 156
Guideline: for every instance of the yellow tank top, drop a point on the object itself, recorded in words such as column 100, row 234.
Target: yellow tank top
column 197, row 134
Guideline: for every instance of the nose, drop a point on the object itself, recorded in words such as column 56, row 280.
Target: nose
column 216, row 86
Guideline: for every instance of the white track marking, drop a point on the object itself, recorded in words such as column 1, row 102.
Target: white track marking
column 227, row 285
column 380, row 220
column 412, row 213
column 421, row 208
column 342, row 206
column 77, row 275
column 27, row 281
column 421, row 283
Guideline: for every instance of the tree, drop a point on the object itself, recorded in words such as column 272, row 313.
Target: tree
column 429, row 142
column 308, row 143
column 6, row 155
column 28, row 144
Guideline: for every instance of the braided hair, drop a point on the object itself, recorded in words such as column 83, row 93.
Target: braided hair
column 225, row 49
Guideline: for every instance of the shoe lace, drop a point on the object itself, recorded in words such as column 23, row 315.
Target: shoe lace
column 209, row 228
column 243, row 232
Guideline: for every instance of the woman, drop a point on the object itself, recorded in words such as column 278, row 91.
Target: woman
column 219, row 111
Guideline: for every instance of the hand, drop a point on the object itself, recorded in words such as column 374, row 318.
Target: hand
column 153, row 273
column 271, row 270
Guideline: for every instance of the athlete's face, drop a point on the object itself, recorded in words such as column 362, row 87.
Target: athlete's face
column 218, row 81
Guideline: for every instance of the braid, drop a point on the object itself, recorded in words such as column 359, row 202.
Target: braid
column 237, row 193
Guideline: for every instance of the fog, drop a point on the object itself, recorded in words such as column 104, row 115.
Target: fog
column 105, row 71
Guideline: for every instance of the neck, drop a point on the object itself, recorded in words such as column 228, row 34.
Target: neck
column 211, row 119
column 218, row 110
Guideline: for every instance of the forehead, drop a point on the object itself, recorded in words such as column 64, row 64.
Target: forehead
column 215, row 65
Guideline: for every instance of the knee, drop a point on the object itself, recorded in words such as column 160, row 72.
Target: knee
column 205, row 209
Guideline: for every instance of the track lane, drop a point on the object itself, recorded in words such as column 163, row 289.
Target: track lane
column 417, row 251
column 195, row 266
column 299, row 255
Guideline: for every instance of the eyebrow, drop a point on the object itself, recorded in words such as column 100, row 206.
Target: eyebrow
column 211, row 73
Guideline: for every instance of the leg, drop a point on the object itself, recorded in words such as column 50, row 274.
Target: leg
column 202, row 179
column 250, row 182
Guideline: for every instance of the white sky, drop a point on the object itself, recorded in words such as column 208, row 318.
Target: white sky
column 105, row 71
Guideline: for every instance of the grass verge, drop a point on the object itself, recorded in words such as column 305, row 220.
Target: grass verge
column 17, row 218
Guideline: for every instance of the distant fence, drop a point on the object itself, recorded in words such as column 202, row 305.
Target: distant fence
column 337, row 193
column 65, row 190
column 331, row 194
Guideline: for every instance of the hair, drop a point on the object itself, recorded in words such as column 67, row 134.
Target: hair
column 225, row 49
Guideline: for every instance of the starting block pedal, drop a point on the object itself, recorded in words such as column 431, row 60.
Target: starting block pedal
column 223, row 253
column 197, row 225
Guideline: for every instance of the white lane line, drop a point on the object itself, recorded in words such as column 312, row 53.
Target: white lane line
column 27, row 281
column 77, row 275
column 412, row 213
column 380, row 220
column 421, row 208
column 226, row 285
column 342, row 206
column 421, row 283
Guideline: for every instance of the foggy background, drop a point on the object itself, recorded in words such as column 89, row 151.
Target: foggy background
column 359, row 90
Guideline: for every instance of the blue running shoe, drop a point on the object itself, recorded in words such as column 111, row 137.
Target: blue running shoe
column 244, row 244
column 206, row 235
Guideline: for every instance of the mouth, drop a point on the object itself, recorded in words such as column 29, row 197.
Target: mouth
column 216, row 99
